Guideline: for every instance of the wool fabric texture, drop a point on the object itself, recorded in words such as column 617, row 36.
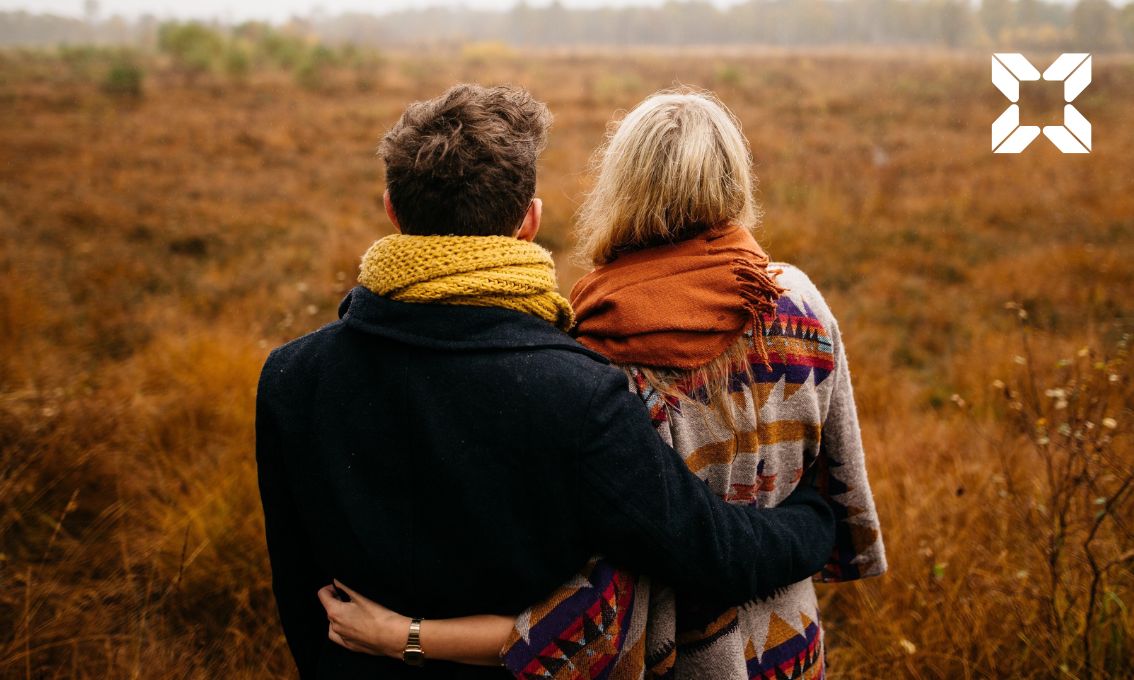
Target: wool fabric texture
column 477, row 271
column 679, row 305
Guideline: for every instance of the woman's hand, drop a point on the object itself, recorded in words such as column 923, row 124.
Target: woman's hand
column 362, row 625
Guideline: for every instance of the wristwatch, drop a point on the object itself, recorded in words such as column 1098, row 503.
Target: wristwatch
column 412, row 654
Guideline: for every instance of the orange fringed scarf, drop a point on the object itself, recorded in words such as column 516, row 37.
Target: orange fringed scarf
column 679, row 305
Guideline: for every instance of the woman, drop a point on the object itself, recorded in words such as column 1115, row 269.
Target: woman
column 743, row 371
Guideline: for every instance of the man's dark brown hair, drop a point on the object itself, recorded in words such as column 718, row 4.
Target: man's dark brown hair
column 465, row 162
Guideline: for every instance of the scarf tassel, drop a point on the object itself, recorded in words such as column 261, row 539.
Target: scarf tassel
column 760, row 292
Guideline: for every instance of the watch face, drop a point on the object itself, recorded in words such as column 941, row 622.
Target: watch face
column 413, row 657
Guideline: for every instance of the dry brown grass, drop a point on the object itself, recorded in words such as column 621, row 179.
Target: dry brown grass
column 154, row 249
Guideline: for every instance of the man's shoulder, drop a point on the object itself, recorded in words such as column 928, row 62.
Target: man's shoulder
column 571, row 373
column 563, row 360
column 298, row 354
column 572, row 360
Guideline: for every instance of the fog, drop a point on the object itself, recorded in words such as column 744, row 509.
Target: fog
column 278, row 10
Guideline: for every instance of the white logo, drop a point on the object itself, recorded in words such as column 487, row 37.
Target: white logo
column 1008, row 136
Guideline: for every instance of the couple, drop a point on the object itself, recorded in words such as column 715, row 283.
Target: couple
column 468, row 476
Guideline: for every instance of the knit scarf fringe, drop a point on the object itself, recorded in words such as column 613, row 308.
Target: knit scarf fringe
column 477, row 271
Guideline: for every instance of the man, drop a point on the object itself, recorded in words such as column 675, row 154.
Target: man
column 446, row 448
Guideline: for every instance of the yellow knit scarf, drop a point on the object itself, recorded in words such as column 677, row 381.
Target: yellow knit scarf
column 479, row 271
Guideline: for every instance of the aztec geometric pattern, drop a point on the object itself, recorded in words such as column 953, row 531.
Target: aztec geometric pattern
column 795, row 413
column 579, row 631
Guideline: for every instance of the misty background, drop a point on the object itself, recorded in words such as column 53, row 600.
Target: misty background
column 1083, row 25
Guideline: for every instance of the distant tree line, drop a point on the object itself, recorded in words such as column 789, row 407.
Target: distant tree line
column 1086, row 25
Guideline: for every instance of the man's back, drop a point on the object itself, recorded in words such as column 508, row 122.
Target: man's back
column 427, row 453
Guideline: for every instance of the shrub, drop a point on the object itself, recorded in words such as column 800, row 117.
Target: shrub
column 237, row 61
column 193, row 47
column 312, row 68
column 124, row 79
column 285, row 51
column 1072, row 489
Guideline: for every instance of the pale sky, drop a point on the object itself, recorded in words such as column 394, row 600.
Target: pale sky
column 277, row 10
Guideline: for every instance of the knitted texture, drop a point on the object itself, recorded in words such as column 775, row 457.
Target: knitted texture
column 477, row 271
column 794, row 412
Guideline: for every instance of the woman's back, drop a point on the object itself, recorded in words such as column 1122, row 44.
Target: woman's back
column 794, row 413
column 780, row 420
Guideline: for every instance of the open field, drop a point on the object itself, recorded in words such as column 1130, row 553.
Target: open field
column 154, row 248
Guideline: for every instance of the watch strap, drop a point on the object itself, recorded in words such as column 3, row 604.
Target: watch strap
column 413, row 654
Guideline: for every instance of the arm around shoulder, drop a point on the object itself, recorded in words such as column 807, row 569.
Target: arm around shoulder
column 647, row 511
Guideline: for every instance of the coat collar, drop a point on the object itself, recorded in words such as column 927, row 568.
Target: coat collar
column 452, row 327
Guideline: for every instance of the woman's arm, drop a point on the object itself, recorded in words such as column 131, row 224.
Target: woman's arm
column 362, row 625
column 858, row 551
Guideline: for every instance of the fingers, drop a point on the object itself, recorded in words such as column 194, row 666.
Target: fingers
column 364, row 603
column 350, row 593
column 328, row 599
column 335, row 637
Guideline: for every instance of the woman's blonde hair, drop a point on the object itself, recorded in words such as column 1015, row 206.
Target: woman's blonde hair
column 673, row 166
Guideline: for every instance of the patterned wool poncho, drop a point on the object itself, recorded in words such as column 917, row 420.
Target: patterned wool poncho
column 607, row 623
